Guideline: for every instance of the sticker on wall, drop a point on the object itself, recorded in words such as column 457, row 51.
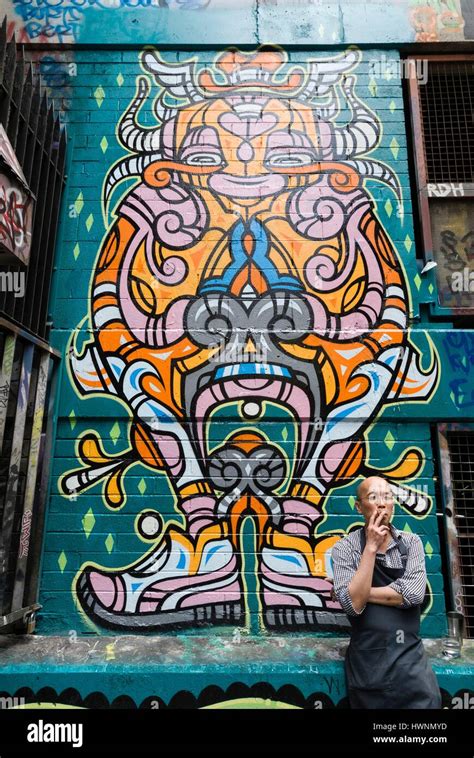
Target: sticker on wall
column 246, row 270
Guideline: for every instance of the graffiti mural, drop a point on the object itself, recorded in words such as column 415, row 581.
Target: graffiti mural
column 16, row 206
column 437, row 20
column 453, row 248
column 70, row 21
column 459, row 350
column 62, row 21
column 245, row 270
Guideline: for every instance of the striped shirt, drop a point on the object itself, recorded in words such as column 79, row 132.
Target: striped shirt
column 346, row 555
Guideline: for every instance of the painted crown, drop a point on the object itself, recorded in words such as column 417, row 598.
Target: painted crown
column 247, row 71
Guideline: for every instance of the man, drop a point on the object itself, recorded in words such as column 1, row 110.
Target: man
column 380, row 581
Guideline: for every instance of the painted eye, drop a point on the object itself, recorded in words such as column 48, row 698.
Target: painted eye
column 203, row 159
column 289, row 160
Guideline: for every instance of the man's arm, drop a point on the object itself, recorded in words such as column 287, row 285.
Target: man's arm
column 352, row 583
column 385, row 596
column 412, row 585
column 360, row 587
column 344, row 564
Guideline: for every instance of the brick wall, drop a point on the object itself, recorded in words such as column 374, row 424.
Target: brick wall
column 242, row 339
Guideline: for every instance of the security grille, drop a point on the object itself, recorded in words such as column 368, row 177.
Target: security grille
column 442, row 117
column 39, row 141
column 461, row 453
column 447, row 112
column 28, row 364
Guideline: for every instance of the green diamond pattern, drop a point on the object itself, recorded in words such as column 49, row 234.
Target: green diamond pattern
column 104, row 144
column 99, row 95
column 373, row 87
column 284, row 434
column 120, row 80
column 352, row 501
column 79, row 203
column 388, row 207
column 428, row 549
column 408, row 242
column 76, row 251
column 389, row 440
column 407, row 527
column 72, row 419
column 62, row 561
column 115, row 432
column 431, row 289
column 88, row 522
column 392, row 106
column 109, row 543
column 89, row 221
column 417, row 281
column 142, row 486
column 453, row 399
column 395, row 148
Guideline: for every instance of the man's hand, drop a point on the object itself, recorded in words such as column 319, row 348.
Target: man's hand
column 376, row 533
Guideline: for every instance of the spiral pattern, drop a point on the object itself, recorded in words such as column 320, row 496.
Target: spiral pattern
column 315, row 215
column 172, row 271
column 292, row 318
column 260, row 472
column 209, row 320
column 181, row 217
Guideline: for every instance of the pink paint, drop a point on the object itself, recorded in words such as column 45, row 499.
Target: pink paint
column 108, row 590
column 246, row 187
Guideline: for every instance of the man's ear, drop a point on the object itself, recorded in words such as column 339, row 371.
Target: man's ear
column 357, row 505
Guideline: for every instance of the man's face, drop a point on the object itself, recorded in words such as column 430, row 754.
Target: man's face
column 375, row 496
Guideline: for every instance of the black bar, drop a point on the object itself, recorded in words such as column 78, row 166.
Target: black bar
column 3, row 46
column 25, row 109
column 7, row 83
column 28, row 163
column 262, row 732
column 45, row 264
column 25, row 312
column 54, row 194
column 17, row 92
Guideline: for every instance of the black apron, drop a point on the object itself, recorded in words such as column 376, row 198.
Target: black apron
column 386, row 664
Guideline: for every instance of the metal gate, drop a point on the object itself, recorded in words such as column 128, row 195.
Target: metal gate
column 36, row 144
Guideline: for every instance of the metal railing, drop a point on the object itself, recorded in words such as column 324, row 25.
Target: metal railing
column 39, row 143
column 27, row 388
column 29, row 366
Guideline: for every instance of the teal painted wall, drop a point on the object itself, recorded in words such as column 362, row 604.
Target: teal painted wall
column 85, row 529
column 241, row 22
